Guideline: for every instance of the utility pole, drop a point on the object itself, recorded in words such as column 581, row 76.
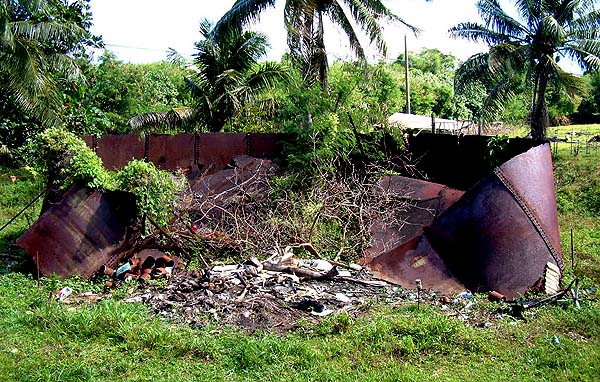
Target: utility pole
column 406, row 76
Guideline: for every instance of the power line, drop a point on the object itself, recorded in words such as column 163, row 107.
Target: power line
column 136, row 47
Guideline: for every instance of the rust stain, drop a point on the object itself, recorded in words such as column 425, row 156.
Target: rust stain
column 81, row 233
column 498, row 236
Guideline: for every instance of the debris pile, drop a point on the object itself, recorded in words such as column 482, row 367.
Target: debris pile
column 501, row 235
column 149, row 264
column 255, row 296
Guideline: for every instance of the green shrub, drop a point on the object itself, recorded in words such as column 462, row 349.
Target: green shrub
column 63, row 159
column 155, row 190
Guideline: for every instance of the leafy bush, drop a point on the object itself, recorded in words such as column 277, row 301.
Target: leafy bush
column 155, row 190
column 63, row 159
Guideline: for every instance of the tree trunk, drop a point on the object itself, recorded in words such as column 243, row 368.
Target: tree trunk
column 320, row 53
column 539, row 115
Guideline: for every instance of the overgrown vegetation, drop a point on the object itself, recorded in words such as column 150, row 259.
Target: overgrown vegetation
column 321, row 201
column 108, row 340
column 63, row 159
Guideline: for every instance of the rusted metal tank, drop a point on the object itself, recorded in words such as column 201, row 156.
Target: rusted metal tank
column 86, row 230
column 207, row 152
column 498, row 236
column 425, row 202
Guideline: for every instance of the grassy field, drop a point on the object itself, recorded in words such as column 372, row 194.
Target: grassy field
column 116, row 341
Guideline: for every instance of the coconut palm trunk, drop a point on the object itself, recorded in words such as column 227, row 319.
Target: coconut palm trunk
column 529, row 46
column 304, row 22
column 539, row 115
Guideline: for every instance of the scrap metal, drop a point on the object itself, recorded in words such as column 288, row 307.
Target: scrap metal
column 86, row 230
column 498, row 236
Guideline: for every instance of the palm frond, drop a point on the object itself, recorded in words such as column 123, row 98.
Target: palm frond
column 499, row 21
column 338, row 16
column 161, row 121
column 474, row 68
column 241, row 13
column 530, row 10
column 378, row 9
column 572, row 85
column 500, row 95
column 368, row 24
column 47, row 31
column 266, row 75
column 477, row 32
column 585, row 52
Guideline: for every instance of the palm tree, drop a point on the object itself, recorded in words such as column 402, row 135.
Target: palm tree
column 34, row 49
column 226, row 75
column 530, row 47
column 304, row 24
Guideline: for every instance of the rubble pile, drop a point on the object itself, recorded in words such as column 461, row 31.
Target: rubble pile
column 495, row 234
column 252, row 297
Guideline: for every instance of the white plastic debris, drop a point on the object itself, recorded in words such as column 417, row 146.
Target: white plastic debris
column 63, row 293
column 355, row 267
column 325, row 312
column 344, row 273
column 225, row 268
column 321, row 265
column 342, row 297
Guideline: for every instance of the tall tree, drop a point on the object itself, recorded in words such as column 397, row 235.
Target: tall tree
column 226, row 75
column 304, row 24
column 39, row 41
column 531, row 44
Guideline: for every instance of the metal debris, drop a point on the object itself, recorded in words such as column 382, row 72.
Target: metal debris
column 499, row 235
column 87, row 229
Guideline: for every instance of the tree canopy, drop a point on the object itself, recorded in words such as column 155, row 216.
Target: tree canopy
column 226, row 75
column 39, row 43
column 304, row 24
column 528, row 48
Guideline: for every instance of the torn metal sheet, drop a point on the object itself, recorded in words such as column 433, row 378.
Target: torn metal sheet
column 225, row 182
column 426, row 201
column 86, row 230
column 412, row 260
column 498, row 236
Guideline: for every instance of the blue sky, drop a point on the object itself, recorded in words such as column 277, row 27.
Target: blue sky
column 142, row 30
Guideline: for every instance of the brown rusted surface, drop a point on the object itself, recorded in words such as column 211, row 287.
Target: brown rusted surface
column 89, row 141
column 224, row 182
column 415, row 259
column 531, row 175
column 171, row 152
column 426, row 200
column 81, row 233
column 210, row 151
column 264, row 145
column 490, row 241
column 498, row 236
column 117, row 150
column 218, row 149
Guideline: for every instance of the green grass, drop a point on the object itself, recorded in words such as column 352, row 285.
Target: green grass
column 15, row 196
column 114, row 341
column 577, row 174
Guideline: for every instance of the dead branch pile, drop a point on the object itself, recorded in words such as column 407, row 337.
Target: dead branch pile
column 247, row 210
